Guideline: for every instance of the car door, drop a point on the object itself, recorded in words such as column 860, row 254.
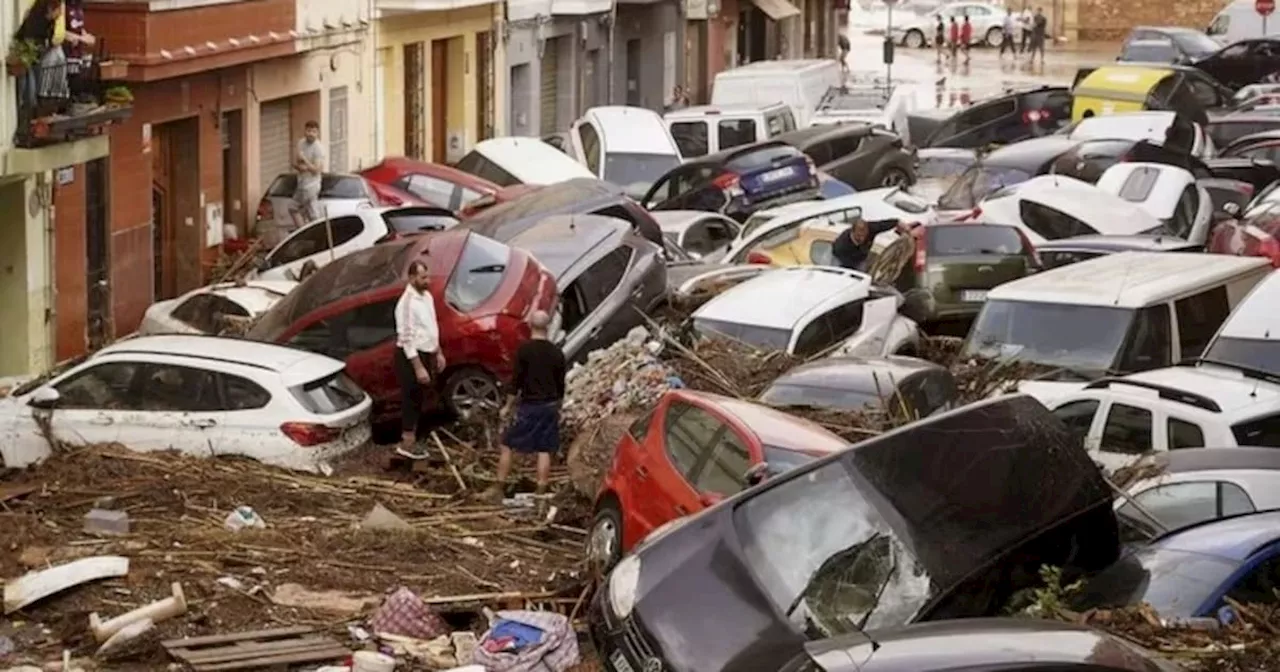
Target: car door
column 692, row 137
column 173, row 407
column 92, row 403
column 606, row 307
column 319, row 242
column 689, row 433
column 1127, row 434
column 587, row 147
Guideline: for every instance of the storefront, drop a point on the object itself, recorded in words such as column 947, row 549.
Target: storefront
column 558, row 61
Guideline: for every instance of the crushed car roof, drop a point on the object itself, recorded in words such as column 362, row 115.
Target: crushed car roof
column 559, row 242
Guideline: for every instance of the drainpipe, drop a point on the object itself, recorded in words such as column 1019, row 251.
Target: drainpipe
column 613, row 29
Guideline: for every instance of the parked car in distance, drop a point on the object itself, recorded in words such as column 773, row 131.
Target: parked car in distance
column 211, row 309
column 1065, row 251
column 1243, row 63
column 704, row 235
column 581, row 196
column 987, row 20
column 198, row 395
column 510, row 161
column 1250, row 338
column 1167, row 44
column 339, row 195
column 916, row 388
column 738, row 182
column 689, row 451
column 859, row 154
column 702, row 130
column 626, row 146
column 607, row 276
column 1051, row 207
column 484, row 292
column 1001, row 120
column 323, row 241
column 1168, row 193
column 439, row 185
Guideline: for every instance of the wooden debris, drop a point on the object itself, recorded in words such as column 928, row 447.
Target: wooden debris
column 257, row 649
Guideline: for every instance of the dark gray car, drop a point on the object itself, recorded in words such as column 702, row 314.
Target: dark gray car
column 607, row 275
column 854, row 383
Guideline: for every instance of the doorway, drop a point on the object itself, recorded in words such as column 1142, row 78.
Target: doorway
column 633, row 73
column 176, row 218
column 97, row 254
column 414, row 100
column 752, row 29
column 233, row 169
column 439, row 99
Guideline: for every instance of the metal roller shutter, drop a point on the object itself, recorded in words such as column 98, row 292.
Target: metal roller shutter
column 275, row 147
column 550, row 90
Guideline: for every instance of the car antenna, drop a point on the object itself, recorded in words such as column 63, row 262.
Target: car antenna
column 1124, row 280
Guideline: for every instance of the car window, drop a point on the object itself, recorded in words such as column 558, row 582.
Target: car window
column 778, row 123
column 1184, row 434
column 1260, row 586
column 1148, row 341
column 315, row 238
column 352, row 331
column 821, row 254
column 707, row 236
column 207, row 312
column 478, row 272
column 417, row 220
column 590, row 146
column 1128, row 430
column 690, row 433
column 334, row 393
column 981, row 115
column 1176, row 505
column 604, row 276
column 241, row 394
column 1261, row 432
column 476, row 164
column 1051, row 223
column 1221, row 24
column 433, row 190
column 735, row 132
column 978, row 182
column 725, row 466
column 1265, row 152
column 105, row 386
column 820, row 152
column 1204, row 92
column 1184, row 213
column 928, row 392
column 640, row 428
column 1137, row 186
column 1199, row 318
column 1078, row 417
column 166, row 387
column 691, row 138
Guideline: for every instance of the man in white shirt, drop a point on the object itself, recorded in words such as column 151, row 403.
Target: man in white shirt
column 1024, row 28
column 418, row 356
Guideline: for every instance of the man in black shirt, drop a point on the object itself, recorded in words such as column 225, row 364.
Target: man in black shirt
column 538, row 389
column 1175, row 151
column 852, row 247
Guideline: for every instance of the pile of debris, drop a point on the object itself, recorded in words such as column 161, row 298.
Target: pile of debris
column 624, row 378
column 1251, row 643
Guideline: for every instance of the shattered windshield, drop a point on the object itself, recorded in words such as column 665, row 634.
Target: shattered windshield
column 977, row 183
column 1083, row 339
column 827, row 558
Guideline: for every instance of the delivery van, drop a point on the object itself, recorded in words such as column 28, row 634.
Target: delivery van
column 799, row 84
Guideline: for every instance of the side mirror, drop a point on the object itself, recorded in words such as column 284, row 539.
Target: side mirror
column 44, row 398
column 757, row 474
column 918, row 305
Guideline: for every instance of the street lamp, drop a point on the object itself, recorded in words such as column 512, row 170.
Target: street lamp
column 887, row 51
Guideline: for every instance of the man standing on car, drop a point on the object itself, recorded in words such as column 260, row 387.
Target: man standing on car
column 308, row 161
column 418, row 360
column 538, row 389
column 1007, row 32
column 852, row 247
column 966, row 37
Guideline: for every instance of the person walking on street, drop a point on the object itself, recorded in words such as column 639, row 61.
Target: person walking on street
column 418, row 360
column 1039, row 30
column 852, row 247
column 308, row 161
column 954, row 39
column 1024, row 29
column 842, row 44
column 940, row 38
column 1007, row 33
column 966, row 37
column 538, row 389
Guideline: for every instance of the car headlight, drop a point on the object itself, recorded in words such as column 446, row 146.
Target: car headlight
column 623, row 581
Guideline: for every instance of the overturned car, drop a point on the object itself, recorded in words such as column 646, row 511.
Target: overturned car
column 944, row 518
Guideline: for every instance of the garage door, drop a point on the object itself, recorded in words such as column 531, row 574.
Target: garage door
column 550, row 89
column 274, row 142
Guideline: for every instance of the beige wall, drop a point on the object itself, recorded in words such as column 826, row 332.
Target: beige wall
column 26, row 291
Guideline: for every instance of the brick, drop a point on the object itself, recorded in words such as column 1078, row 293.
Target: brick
column 1110, row 20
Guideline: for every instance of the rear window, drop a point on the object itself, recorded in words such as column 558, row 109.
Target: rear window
column 1263, row 432
column 333, row 394
column 478, row 274
column 977, row 182
column 480, row 166
column 1052, row 224
column 962, row 239
column 761, row 158
column 760, row 337
column 331, row 186
column 818, row 397
column 1152, row 51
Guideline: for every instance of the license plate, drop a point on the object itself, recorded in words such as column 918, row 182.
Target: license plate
column 975, row 295
column 779, row 174
column 619, row 663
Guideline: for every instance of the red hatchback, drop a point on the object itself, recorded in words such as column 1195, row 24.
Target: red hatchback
column 441, row 186
column 692, row 450
column 484, row 292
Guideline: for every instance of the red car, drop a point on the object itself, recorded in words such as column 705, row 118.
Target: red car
column 503, row 195
column 1256, row 236
column 393, row 197
column 692, row 450
column 484, row 292
column 441, row 186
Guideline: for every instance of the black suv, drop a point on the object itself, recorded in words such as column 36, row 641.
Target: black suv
column 859, row 154
column 1002, row 120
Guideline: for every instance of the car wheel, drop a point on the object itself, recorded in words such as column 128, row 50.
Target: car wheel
column 604, row 542
column 995, row 36
column 471, row 388
column 914, row 39
column 895, row 177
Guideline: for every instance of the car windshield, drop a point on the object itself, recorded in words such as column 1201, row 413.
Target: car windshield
column 1257, row 354
column 976, row 183
column 1176, row 583
column 818, row 397
column 751, row 334
column 827, row 558
column 966, row 239
column 1195, row 43
column 755, row 222
column 637, row 172
column 761, row 158
column 478, row 273
column 782, row 460
column 1083, row 339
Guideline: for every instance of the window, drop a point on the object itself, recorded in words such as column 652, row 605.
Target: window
column 929, row 392
column 1128, row 430
column 604, row 276
column 844, row 146
column 476, row 164
column 1199, row 318
column 1148, row 341
column 206, row 312
column 814, row 338
column 982, row 115
column 331, row 394
column 166, row 387
column 1265, row 152
column 314, row 239
column 417, row 220
column 1261, row 585
column 357, row 329
column 1078, row 417
column 1221, row 24
column 1138, row 185
column 105, row 386
column 1052, row 224
column 724, row 467
column 820, row 253
column 707, row 236
column 241, row 394
column 1180, row 505
column 967, row 239
column 478, row 273
column 1184, row 434
column 1184, row 213
column 820, row 153
column 777, row 123
column 590, row 146
column 735, row 132
column 690, row 433
column 640, row 428
column 691, row 138
column 1261, row 433
column 433, row 190
column 1205, row 94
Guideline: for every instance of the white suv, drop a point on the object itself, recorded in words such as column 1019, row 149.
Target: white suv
column 1119, row 419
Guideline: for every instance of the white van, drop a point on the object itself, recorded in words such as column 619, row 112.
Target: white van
column 627, row 146
column 708, row 129
column 800, row 84
column 1239, row 21
column 510, row 161
column 1250, row 338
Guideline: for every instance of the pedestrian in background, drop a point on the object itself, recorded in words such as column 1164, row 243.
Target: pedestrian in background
column 940, row 38
column 842, row 44
column 966, row 37
column 1039, row 31
column 538, row 389
column 1007, row 34
column 308, row 161
column 954, row 39
column 418, row 360
column 1024, row 28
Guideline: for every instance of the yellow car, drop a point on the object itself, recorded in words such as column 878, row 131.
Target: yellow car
column 1133, row 88
column 806, row 245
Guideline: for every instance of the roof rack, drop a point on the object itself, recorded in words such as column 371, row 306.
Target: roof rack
column 1169, row 393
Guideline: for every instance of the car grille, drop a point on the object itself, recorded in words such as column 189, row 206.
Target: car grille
column 633, row 641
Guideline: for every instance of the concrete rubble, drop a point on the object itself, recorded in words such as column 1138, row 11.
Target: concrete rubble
column 624, row 378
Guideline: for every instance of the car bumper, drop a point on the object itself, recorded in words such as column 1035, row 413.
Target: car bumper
column 622, row 644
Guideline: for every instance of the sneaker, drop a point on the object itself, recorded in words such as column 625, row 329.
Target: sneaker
column 414, row 453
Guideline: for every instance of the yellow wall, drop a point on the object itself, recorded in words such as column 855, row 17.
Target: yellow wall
column 25, row 295
column 395, row 31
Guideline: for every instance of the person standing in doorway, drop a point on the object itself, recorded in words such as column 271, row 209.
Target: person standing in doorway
column 940, row 38
column 954, row 39
column 1024, row 29
column 537, row 390
column 966, row 37
column 308, row 161
column 418, row 359
column 1008, row 33
column 1039, row 32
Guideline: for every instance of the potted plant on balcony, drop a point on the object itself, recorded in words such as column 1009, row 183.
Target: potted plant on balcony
column 22, row 55
column 118, row 96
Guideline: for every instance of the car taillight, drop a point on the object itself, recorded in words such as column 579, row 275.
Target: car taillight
column 729, row 183
column 973, row 214
column 1270, row 248
column 307, row 434
column 1028, row 248
column 922, row 255
column 1036, row 116
column 759, row 258
column 265, row 211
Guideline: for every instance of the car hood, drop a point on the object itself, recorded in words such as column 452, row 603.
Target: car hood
column 1047, row 391
column 962, row 491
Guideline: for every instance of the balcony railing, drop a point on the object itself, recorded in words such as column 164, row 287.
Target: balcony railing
column 60, row 101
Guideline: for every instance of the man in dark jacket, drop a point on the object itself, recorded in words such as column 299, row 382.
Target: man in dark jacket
column 852, row 247
column 1174, row 151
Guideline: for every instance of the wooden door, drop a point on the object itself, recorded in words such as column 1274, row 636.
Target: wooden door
column 161, row 214
column 439, row 99
column 414, row 96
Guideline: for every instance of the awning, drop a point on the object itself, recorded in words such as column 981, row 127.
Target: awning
column 777, row 9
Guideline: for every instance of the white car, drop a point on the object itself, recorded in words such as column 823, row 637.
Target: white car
column 339, row 195
column 1150, row 125
column 1250, row 338
column 883, row 104
column 198, row 395
column 323, row 241
column 1122, row 419
column 510, row 161
column 1168, row 193
column 1195, row 485
column 987, row 20
column 704, row 235
column 629, row 147
column 1052, row 207
column 809, row 310
column 206, row 310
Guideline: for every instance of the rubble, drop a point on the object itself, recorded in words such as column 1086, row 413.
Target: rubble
column 626, row 377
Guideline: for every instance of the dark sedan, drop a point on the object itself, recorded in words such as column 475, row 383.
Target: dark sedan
column 1243, row 63
column 919, row 387
column 738, row 182
column 1005, row 119
column 1166, row 44
column 579, row 196
column 858, row 154
column 944, row 518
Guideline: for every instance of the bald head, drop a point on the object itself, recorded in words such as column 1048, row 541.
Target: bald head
column 539, row 321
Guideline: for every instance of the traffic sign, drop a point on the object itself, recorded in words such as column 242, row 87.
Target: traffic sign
column 1264, row 7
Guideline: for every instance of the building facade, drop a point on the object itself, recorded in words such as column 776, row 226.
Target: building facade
column 559, row 56
column 438, row 72
column 648, row 58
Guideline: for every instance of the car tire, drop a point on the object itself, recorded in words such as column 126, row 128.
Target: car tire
column 913, row 39
column 894, row 176
column 469, row 388
column 995, row 35
column 604, row 539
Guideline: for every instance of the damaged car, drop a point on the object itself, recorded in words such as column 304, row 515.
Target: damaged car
column 198, row 395
column 214, row 309
column 944, row 518
column 916, row 388
column 581, row 196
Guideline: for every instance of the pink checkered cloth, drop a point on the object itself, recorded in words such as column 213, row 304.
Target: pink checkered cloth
column 404, row 613
column 557, row 652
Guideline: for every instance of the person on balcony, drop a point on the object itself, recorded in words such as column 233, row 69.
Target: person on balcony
column 78, row 48
column 51, row 70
